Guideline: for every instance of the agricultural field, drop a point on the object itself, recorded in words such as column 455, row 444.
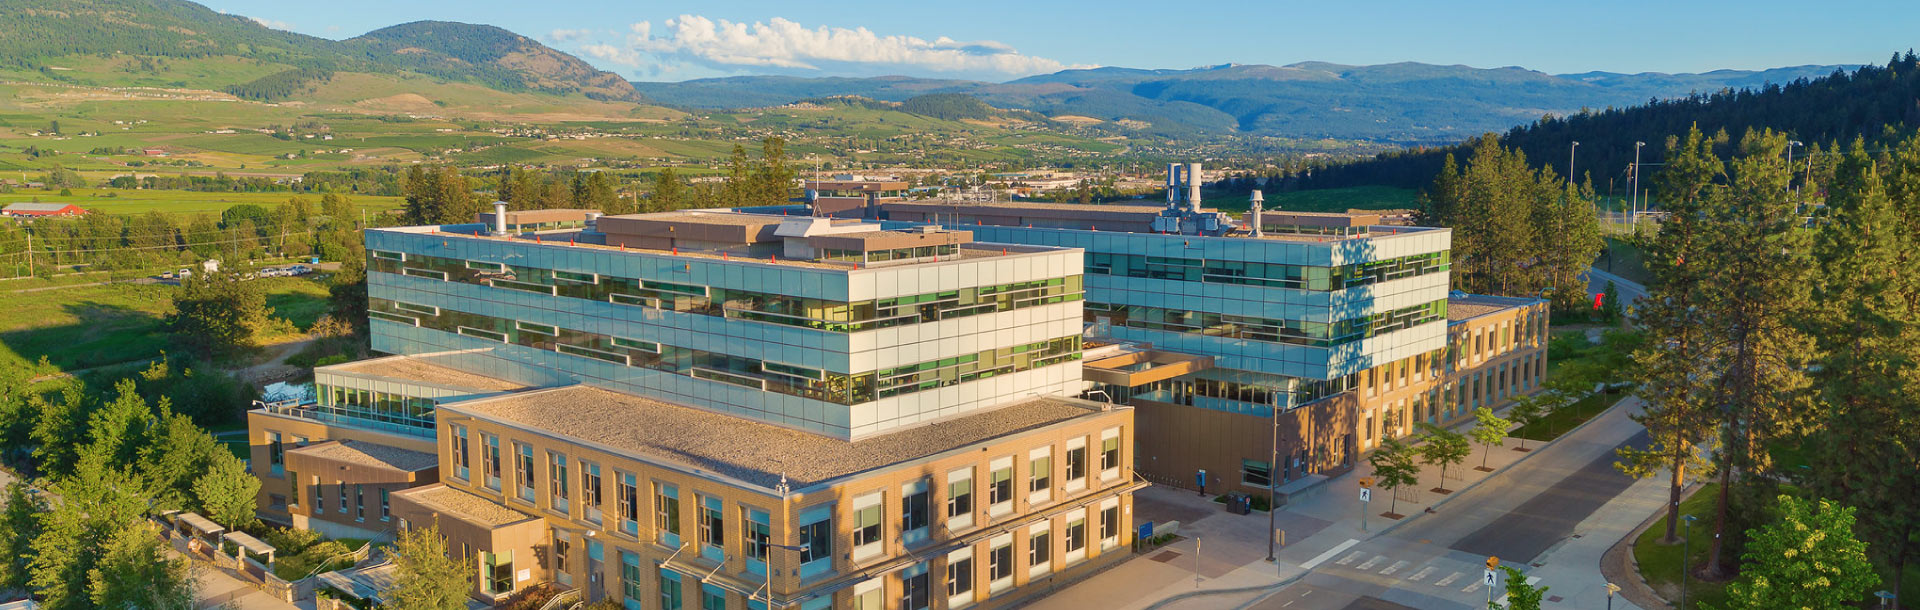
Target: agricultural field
column 129, row 201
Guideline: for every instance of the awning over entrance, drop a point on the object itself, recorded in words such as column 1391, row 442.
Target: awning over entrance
column 1132, row 369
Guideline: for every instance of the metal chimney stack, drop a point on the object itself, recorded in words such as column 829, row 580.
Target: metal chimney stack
column 1193, row 186
column 1173, row 185
column 1253, row 210
column 499, row 218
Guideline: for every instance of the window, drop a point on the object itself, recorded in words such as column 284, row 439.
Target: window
column 758, row 531
column 628, row 495
column 1077, row 464
column 460, row 452
column 359, row 502
column 319, row 497
column 914, row 499
column 816, row 540
column 491, row 461
column 669, row 591
column 590, row 490
column 913, row 589
column 1000, row 563
column 666, row 513
column 1000, row 487
column 960, row 499
column 293, row 488
column 1110, row 522
column 523, row 470
column 1110, row 453
column 1040, row 475
column 342, row 486
column 1040, row 550
column 499, row 572
column 276, row 454
column 712, row 598
column 1077, row 537
column 631, row 591
column 960, row 575
column 866, row 596
column 1256, row 473
column 866, row 525
column 713, row 527
column 538, row 329
column 386, row 511
column 562, row 548
column 557, row 481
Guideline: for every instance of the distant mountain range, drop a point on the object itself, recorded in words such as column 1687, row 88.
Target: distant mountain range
column 1402, row 103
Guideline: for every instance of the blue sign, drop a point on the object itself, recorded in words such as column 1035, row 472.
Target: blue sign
column 1146, row 531
column 1200, row 478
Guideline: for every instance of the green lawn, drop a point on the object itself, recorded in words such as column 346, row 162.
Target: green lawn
column 1660, row 564
column 88, row 326
column 1559, row 422
column 1625, row 260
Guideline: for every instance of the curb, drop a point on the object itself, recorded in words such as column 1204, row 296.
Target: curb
column 1382, row 532
column 1618, row 564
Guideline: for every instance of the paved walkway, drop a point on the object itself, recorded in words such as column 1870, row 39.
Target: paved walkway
column 1420, row 561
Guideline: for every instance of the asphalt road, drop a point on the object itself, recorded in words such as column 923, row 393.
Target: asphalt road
column 1630, row 290
column 1530, row 529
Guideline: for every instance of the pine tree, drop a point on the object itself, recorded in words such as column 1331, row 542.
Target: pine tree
column 1671, row 371
column 668, row 193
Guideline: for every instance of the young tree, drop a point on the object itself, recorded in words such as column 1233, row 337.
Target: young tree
column 1529, row 409
column 19, row 527
column 135, row 571
column 425, row 578
column 1520, row 595
column 1490, row 431
column 217, row 314
column 1394, row 468
column 1443, row 448
column 1670, row 368
column 1806, row 559
column 226, row 492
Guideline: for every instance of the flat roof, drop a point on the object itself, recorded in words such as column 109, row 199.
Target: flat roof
column 417, row 369
column 717, row 217
column 743, row 449
column 370, row 454
column 1462, row 306
column 461, row 505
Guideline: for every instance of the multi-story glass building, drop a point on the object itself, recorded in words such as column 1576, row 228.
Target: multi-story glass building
column 1343, row 324
column 718, row 408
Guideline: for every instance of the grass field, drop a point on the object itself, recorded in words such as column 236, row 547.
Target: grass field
column 180, row 202
column 87, row 326
column 1323, row 200
column 1563, row 420
column 1624, row 259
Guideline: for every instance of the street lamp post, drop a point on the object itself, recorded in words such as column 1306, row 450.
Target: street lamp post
column 1611, row 589
column 1636, row 186
column 1886, row 597
column 1686, row 555
column 1570, row 151
column 1272, row 525
column 1790, row 145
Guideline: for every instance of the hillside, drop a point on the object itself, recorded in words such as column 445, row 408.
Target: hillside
column 49, row 36
column 1868, row 102
column 1405, row 103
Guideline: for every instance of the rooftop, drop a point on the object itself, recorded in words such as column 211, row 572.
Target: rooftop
column 370, row 454
column 754, row 452
column 1463, row 306
column 418, row 369
column 463, row 506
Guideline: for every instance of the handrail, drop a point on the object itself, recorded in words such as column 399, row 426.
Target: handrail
column 559, row 598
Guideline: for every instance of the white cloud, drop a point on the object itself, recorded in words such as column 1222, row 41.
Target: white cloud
column 785, row 45
column 566, row 35
column 275, row 24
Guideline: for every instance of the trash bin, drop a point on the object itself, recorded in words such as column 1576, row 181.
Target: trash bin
column 1237, row 503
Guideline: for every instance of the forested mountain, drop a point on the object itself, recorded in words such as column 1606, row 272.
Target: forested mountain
column 34, row 33
column 1404, row 103
column 1818, row 112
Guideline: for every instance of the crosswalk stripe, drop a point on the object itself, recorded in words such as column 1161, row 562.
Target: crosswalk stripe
column 1323, row 557
column 1395, row 567
column 1448, row 580
column 1371, row 562
column 1349, row 559
column 1417, row 576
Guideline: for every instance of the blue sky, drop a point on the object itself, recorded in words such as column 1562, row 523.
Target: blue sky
column 997, row 40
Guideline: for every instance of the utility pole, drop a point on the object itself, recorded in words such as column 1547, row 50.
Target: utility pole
column 1636, row 185
column 1790, row 145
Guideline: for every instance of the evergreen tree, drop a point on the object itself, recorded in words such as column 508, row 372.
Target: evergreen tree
column 1671, row 370
column 772, row 180
column 438, row 196
column 1806, row 559
column 226, row 491
column 425, row 577
column 19, row 527
column 177, row 455
column 216, row 314
column 136, row 571
column 668, row 193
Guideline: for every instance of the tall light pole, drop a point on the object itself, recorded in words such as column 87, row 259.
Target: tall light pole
column 1570, row 151
column 1636, row 185
column 1790, row 145
column 1611, row 589
column 1272, row 525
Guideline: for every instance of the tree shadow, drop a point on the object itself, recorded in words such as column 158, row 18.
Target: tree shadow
column 101, row 334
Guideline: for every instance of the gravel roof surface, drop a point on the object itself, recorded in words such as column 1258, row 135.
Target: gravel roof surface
column 410, row 368
column 1039, row 205
column 464, row 506
column 744, row 449
column 370, row 454
column 1463, row 307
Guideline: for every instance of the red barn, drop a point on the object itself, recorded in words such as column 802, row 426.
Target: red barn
column 38, row 210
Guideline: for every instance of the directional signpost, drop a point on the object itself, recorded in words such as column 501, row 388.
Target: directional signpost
column 1366, row 497
column 1491, row 578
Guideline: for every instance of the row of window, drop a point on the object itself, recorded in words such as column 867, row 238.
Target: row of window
column 351, row 498
column 1483, row 388
column 377, row 406
column 896, row 254
column 840, row 388
column 660, row 503
column 823, row 314
column 1293, row 332
column 1269, row 275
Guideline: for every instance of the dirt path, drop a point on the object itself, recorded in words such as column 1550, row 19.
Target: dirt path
column 275, row 368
